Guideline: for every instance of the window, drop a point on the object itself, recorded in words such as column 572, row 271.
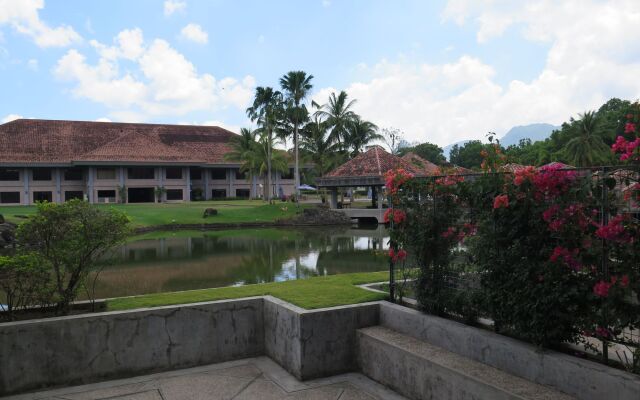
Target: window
column 73, row 174
column 218, row 174
column 288, row 175
column 174, row 194
column 106, row 173
column 42, row 196
column 73, row 195
column 218, row 193
column 41, row 174
column 141, row 173
column 173, row 173
column 243, row 193
column 106, row 196
column 9, row 197
column 7, row 174
column 195, row 174
column 241, row 175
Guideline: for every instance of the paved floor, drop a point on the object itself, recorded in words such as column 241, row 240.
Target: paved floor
column 248, row 379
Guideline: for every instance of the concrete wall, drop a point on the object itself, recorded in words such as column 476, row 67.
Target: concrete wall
column 584, row 379
column 315, row 343
column 86, row 348
column 79, row 349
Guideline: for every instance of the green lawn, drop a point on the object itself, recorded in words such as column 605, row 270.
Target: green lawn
column 142, row 215
column 319, row 292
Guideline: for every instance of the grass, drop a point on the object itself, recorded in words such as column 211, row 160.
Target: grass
column 318, row 292
column 143, row 215
column 259, row 233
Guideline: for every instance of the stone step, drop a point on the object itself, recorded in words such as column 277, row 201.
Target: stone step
column 420, row 370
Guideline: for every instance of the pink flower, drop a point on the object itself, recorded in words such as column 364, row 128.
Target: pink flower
column 614, row 231
column 392, row 254
column 602, row 332
column 629, row 127
column 566, row 256
column 624, row 281
column 449, row 232
column 601, row 289
column 402, row 254
column 501, row 201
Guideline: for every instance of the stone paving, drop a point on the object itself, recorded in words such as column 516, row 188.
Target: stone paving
column 248, row 379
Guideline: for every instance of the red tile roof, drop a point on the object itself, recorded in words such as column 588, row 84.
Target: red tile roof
column 63, row 142
column 426, row 166
column 372, row 163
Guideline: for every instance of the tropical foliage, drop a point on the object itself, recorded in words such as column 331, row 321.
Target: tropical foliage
column 325, row 138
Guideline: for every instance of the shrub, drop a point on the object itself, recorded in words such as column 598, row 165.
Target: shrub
column 25, row 281
column 69, row 238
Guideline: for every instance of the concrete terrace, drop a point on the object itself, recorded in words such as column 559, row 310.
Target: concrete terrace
column 247, row 379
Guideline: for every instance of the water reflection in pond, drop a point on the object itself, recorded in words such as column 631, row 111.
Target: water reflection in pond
column 195, row 260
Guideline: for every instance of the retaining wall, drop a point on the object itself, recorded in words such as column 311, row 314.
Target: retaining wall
column 582, row 378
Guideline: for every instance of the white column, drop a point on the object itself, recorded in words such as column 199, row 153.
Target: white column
column 231, row 175
column 206, row 174
column 186, row 196
column 59, row 198
column 90, row 178
column 27, row 195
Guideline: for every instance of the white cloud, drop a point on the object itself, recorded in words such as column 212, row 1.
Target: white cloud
column 11, row 117
column 594, row 55
column 171, row 6
column 103, row 119
column 137, row 80
column 195, row 33
column 32, row 64
column 23, row 16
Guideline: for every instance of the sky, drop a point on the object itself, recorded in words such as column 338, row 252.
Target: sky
column 440, row 71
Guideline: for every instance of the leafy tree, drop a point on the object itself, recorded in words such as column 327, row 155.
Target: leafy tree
column 297, row 85
column 467, row 155
column 25, row 280
column 428, row 151
column 359, row 134
column 587, row 147
column 338, row 114
column 267, row 110
column 70, row 238
column 393, row 137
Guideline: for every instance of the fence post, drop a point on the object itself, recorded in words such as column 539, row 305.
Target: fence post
column 604, row 220
column 392, row 275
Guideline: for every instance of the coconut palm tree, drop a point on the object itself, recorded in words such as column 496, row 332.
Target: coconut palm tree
column 359, row 134
column 587, row 147
column 318, row 147
column 242, row 150
column 267, row 110
column 338, row 114
column 296, row 85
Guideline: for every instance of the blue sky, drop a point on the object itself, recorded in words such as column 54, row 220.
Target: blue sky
column 440, row 71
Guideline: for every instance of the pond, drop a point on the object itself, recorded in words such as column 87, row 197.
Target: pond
column 185, row 260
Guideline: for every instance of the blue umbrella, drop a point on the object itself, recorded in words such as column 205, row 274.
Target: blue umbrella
column 306, row 187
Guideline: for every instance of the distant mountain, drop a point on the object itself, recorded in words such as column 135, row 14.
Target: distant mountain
column 447, row 149
column 535, row 132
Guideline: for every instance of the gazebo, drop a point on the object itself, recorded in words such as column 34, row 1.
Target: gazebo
column 367, row 170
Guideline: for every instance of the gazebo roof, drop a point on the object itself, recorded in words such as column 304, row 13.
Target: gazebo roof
column 426, row 166
column 367, row 169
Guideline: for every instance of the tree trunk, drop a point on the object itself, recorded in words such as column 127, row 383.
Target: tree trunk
column 297, row 168
column 268, row 189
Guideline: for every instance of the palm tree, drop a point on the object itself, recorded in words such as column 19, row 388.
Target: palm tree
column 359, row 134
column 317, row 146
column 297, row 85
column 242, row 150
column 587, row 147
column 338, row 114
column 267, row 111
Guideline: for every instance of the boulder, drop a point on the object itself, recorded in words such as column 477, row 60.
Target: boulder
column 210, row 212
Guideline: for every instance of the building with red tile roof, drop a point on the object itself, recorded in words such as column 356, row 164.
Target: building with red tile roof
column 120, row 162
column 426, row 166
